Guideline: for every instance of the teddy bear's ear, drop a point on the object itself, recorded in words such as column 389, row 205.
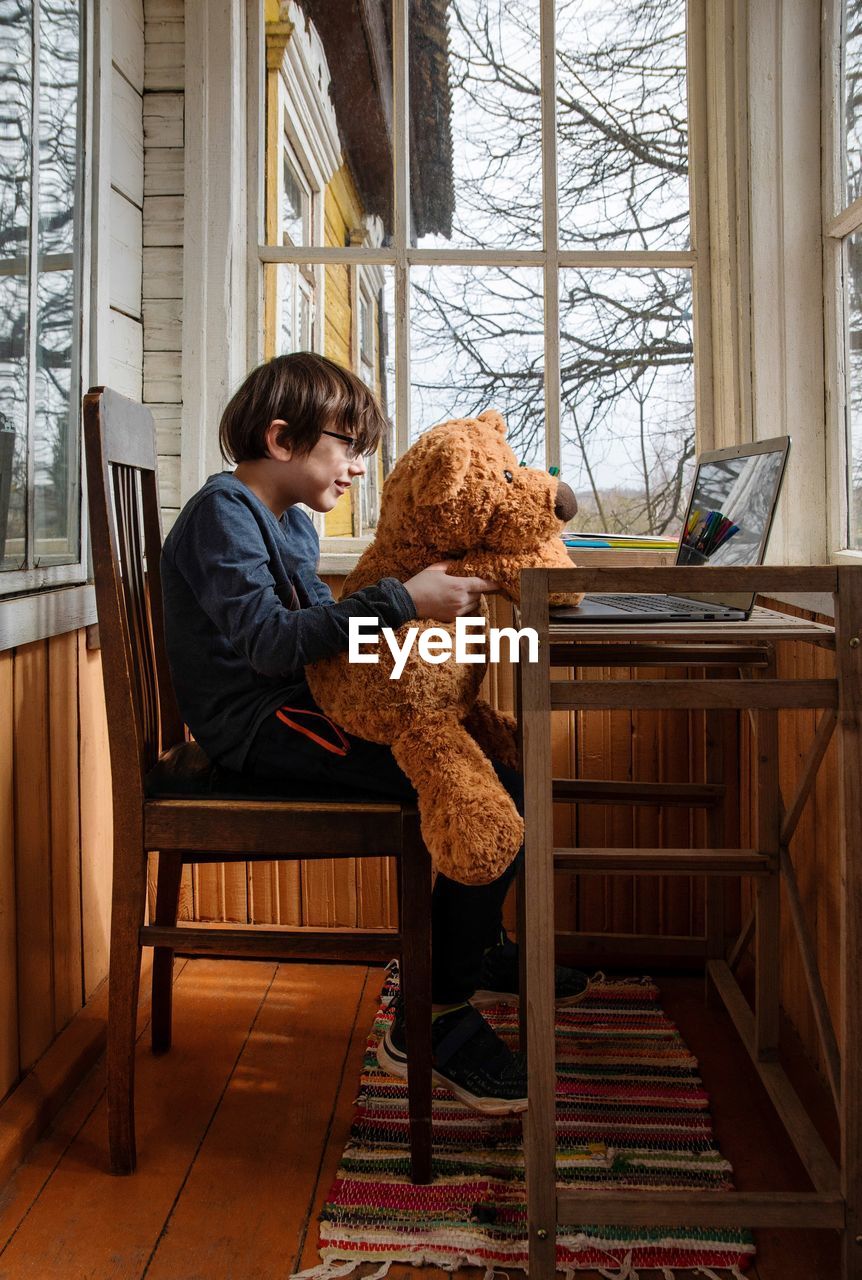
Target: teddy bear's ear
column 493, row 419
column 440, row 473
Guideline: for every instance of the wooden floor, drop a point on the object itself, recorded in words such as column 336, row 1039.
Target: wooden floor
column 241, row 1126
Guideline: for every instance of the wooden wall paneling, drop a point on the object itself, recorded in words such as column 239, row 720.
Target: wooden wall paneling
column 163, row 324
column 127, row 44
column 565, row 815
column 593, row 916
column 65, row 826
column 208, row 879
column 730, row 743
column 8, row 915
column 620, row 818
column 646, row 732
column 675, row 755
column 263, row 892
column 126, row 256
column 164, row 60
column 164, row 173
column 374, row 893
column 163, row 220
column 163, row 374
column 328, row 898
column 126, row 346
column 697, row 821
column 127, row 140
column 163, row 116
column 33, row 852
column 96, row 816
column 290, row 892
column 167, row 418
column 163, row 271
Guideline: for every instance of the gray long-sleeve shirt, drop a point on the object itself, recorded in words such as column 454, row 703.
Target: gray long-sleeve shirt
column 245, row 611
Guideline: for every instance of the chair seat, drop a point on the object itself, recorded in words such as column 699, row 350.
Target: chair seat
column 185, row 772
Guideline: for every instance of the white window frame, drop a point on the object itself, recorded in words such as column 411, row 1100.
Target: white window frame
column 366, row 284
column 840, row 221
column 72, row 607
column 725, row 400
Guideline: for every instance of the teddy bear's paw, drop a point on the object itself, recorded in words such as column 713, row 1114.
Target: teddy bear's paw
column 478, row 862
column 475, row 849
column 470, row 825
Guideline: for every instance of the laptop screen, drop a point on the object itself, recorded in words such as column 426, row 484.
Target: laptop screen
column 730, row 512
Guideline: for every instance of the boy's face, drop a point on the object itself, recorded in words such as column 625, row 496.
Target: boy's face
column 317, row 478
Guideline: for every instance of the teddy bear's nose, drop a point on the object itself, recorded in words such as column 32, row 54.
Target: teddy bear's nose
column 566, row 504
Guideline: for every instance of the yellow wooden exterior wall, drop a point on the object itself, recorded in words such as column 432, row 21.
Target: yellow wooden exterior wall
column 342, row 212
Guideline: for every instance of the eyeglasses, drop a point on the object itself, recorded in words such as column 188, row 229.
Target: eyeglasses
column 353, row 450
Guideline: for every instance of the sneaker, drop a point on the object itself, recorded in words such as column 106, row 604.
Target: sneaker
column 500, row 978
column 469, row 1059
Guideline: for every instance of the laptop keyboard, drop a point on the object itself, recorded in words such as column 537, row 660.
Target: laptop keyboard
column 654, row 604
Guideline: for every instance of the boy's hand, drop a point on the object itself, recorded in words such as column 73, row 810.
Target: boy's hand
column 444, row 598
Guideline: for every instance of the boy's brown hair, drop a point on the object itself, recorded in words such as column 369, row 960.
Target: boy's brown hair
column 309, row 392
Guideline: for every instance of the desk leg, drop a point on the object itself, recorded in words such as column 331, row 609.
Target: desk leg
column 848, row 663
column 540, row 1119
column 768, row 889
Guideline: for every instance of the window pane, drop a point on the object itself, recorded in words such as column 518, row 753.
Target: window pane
column 853, row 98
column 476, row 159
column 628, row 397
column 477, row 343
column 294, row 206
column 55, row 473
column 622, row 124
column 56, row 407
column 853, row 276
column 16, row 38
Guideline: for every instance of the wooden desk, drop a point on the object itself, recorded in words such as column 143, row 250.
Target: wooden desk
column 836, row 1198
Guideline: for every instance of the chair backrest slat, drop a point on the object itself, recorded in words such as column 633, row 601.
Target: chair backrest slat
column 126, row 538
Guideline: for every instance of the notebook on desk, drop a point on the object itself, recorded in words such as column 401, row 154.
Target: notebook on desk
column 727, row 521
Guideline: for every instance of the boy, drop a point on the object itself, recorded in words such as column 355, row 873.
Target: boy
column 245, row 611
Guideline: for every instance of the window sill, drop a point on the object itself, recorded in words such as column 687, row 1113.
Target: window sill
column 25, row 619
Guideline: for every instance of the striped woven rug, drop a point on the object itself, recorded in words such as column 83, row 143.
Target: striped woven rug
column 631, row 1112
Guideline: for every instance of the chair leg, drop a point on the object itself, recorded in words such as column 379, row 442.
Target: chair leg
column 167, row 908
column 127, row 915
column 415, row 925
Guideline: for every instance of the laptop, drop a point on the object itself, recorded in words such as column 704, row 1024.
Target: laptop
column 730, row 510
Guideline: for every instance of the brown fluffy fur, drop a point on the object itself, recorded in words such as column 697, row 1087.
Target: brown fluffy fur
column 448, row 499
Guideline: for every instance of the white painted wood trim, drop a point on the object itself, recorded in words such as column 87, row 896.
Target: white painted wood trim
column 255, row 179
column 835, row 353
column 214, row 275
column 401, row 114
column 305, row 255
column 550, row 232
column 699, row 214
column 846, row 222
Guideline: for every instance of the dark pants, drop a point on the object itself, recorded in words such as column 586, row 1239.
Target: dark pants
column 465, row 919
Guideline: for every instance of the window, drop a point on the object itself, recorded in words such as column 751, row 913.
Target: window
column 41, row 159
column 535, row 216
column 845, row 231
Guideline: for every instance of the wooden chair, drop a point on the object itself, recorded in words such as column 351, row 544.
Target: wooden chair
column 168, row 797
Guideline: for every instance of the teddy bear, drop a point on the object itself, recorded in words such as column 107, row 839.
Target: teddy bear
column 458, row 495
